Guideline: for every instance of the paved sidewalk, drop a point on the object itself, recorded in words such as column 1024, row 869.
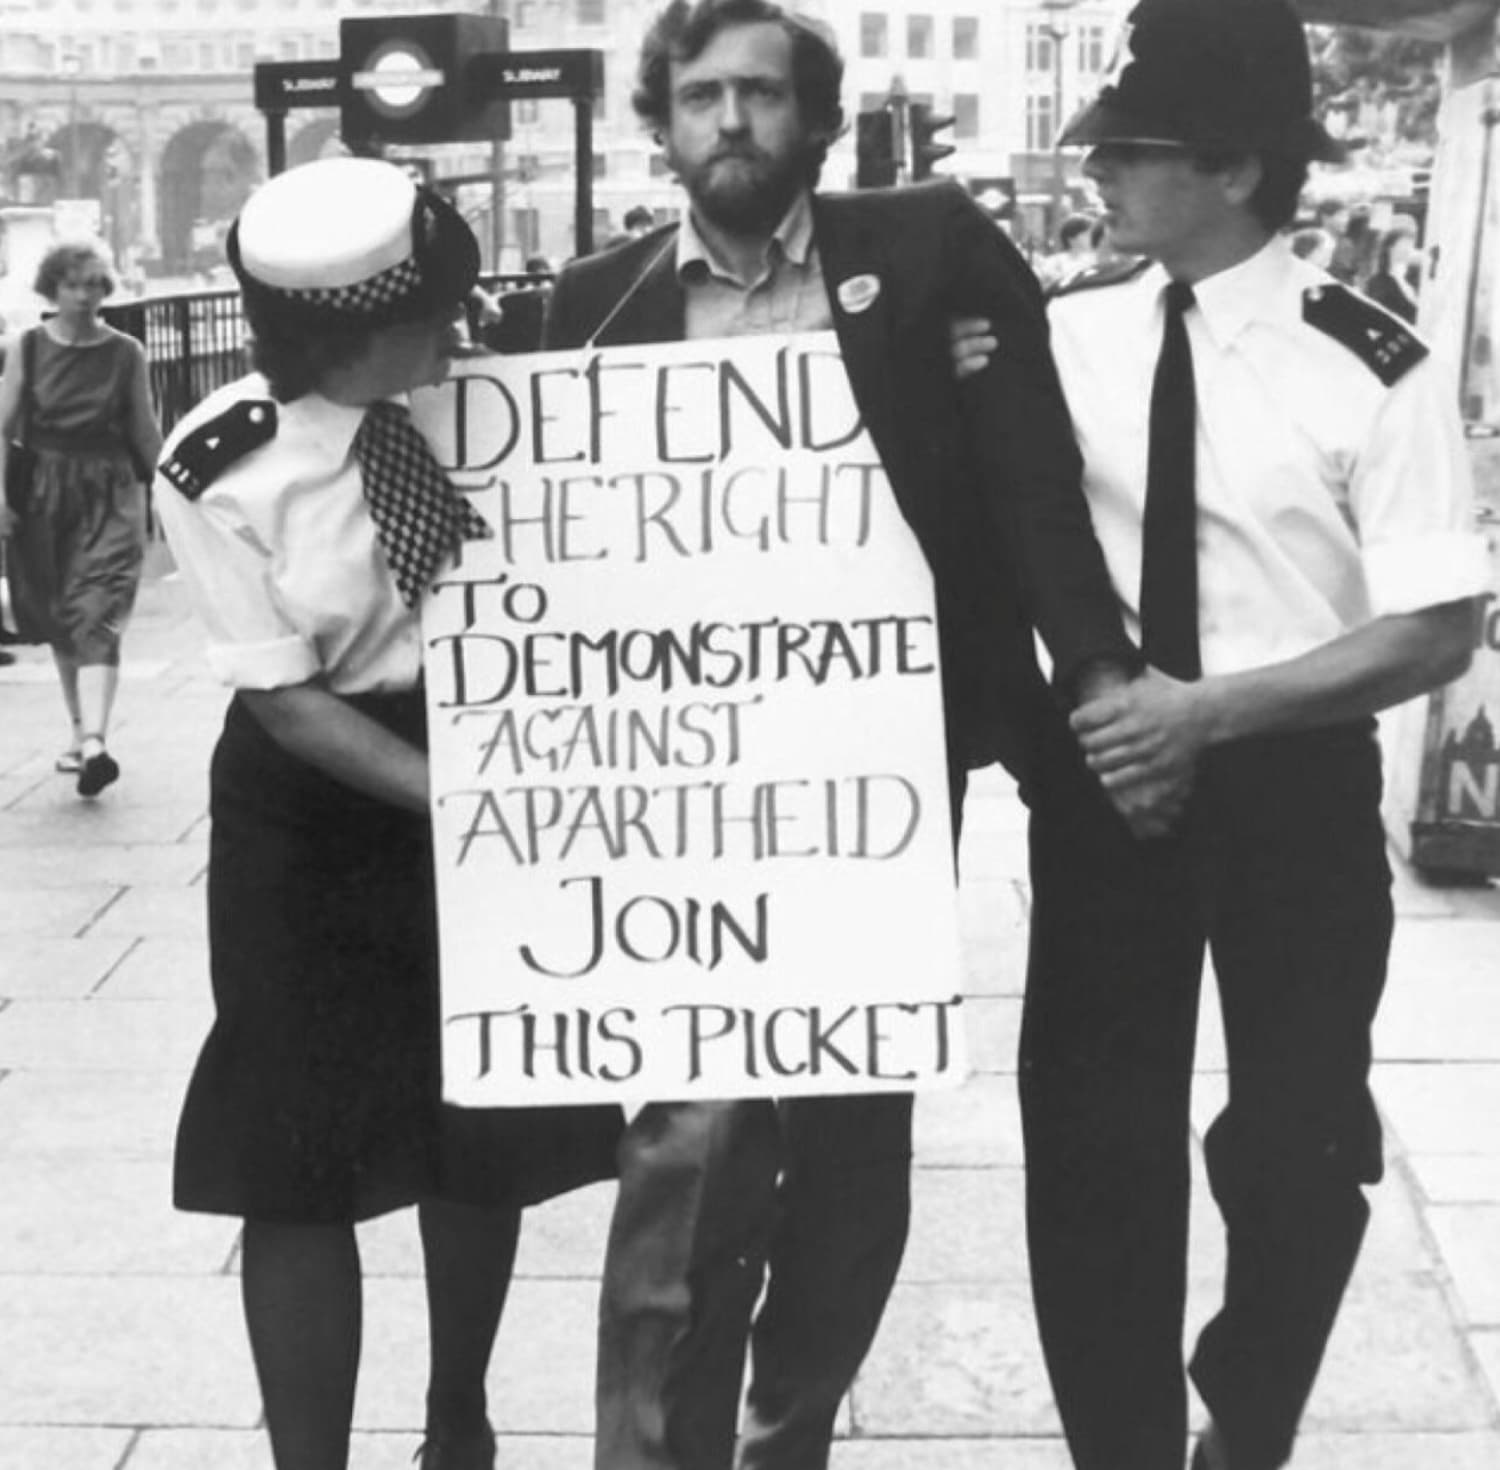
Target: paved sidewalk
column 121, row 1346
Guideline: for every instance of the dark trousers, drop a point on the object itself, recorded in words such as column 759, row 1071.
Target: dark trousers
column 1280, row 871
column 808, row 1197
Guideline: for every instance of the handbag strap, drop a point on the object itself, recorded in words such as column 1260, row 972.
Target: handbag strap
column 28, row 369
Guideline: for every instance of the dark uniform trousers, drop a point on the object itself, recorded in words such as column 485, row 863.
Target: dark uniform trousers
column 808, row 1198
column 1280, row 870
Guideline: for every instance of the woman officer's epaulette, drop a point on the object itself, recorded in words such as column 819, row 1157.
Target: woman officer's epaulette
column 1111, row 273
column 199, row 458
column 1379, row 339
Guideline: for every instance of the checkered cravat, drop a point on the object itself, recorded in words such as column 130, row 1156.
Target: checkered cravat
column 418, row 513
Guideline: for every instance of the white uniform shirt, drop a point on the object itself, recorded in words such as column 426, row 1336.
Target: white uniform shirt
column 282, row 560
column 1325, row 498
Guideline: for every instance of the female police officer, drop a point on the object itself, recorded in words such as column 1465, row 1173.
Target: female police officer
column 307, row 516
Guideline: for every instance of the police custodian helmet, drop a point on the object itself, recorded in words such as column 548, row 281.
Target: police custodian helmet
column 1209, row 74
column 350, row 241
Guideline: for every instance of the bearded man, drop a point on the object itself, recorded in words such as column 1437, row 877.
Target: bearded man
column 809, row 1197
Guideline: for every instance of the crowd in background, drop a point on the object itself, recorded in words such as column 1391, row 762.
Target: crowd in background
column 1386, row 263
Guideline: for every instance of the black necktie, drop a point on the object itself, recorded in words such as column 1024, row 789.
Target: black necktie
column 1169, row 541
column 419, row 515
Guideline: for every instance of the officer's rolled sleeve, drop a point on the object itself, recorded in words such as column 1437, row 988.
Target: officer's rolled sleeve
column 252, row 644
column 262, row 665
column 1424, row 571
column 1412, row 497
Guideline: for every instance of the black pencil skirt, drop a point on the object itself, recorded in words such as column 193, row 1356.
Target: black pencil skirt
column 317, row 1098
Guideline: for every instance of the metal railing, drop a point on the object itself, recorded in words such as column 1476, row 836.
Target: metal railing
column 195, row 342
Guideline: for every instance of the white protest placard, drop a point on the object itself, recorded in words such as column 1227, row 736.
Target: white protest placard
column 689, row 789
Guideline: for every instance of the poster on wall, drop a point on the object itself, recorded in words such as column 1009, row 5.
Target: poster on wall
column 689, row 787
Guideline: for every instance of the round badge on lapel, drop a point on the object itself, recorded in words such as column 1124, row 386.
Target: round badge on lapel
column 858, row 293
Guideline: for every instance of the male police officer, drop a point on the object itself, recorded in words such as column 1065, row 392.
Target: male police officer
column 1276, row 475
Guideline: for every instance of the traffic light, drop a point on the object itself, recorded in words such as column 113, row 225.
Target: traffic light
column 875, row 149
column 420, row 78
column 924, row 123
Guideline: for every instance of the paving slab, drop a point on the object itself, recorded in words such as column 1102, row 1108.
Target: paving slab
column 372, row 1450
column 56, row 913
column 1463, row 1451
column 561, row 1240
column 89, row 1350
column 968, row 1225
column 173, row 913
column 68, row 1116
column 1397, row 1361
column 1441, row 1108
column 63, row 865
column 97, row 1035
column 51, row 968
column 955, row 1363
column 1442, row 1000
column 1011, row 1453
column 113, row 1217
column 158, row 968
column 1485, row 1345
column 1457, row 1178
column 33, row 821
column 1469, row 1238
column 541, row 1379
column 993, row 1028
column 53, row 1448
column 976, row 1125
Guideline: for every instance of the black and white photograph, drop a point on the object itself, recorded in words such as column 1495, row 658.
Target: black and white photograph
column 750, row 735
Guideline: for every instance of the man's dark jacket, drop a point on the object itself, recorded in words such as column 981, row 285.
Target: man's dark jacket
column 986, row 471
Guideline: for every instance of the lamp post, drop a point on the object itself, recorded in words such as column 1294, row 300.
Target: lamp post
column 1057, row 27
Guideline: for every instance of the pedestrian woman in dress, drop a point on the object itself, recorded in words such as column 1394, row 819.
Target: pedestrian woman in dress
column 307, row 515
column 78, row 392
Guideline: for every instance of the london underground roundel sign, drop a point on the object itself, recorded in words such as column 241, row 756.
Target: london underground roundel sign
column 397, row 78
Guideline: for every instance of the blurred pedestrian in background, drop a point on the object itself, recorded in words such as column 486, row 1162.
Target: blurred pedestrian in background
column 1314, row 245
column 639, row 221
column 307, row 516
column 7, row 633
column 76, row 392
column 1075, row 253
column 1398, row 269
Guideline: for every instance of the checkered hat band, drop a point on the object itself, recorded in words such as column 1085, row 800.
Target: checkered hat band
column 420, row 517
column 364, row 298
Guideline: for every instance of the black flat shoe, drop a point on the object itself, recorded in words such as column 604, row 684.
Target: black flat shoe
column 474, row 1451
column 97, row 772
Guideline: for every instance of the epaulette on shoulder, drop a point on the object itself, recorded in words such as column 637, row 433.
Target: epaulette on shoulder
column 1380, row 340
column 199, row 458
column 1091, row 278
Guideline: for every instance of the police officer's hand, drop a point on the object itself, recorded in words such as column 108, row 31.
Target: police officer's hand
column 8, row 522
column 1143, row 739
column 972, row 341
column 1152, row 808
